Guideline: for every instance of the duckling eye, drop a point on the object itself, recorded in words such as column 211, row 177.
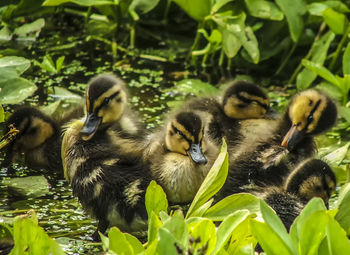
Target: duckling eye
column 310, row 118
column 106, row 101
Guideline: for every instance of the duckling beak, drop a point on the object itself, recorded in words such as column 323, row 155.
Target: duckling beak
column 90, row 127
column 197, row 154
column 292, row 138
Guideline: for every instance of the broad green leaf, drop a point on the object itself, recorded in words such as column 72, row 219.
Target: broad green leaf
column 27, row 29
column 293, row 10
column 318, row 55
column 226, row 228
column 315, row 205
column 338, row 242
column 219, row 4
column 343, row 204
column 264, row 9
column 5, row 34
column 336, row 21
column 78, row 2
column 104, row 241
column 166, row 242
column 233, row 203
column 204, row 207
column 270, row 241
column 204, row 231
column 312, row 233
column 197, row 9
column 242, row 239
column 59, row 63
column 15, row 90
column 321, row 71
column 154, row 224
column 337, row 156
column 59, row 93
column 31, row 239
column 212, row 182
column 152, row 248
column 230, row 43
column 276, row 225
column 2, row 114
column 195, row 87
column 143, row 6
column 178, row 228
column 155, row 199
column 333, row 91
column 48, row 65
column 118, row 242
column 318, row 7
column 16, row 63
column 135, row 243
column 346, row 60
column 344, row 112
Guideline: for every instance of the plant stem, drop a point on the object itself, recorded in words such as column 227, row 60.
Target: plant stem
column 285, row 61
column 338, row 50
column 308, row 55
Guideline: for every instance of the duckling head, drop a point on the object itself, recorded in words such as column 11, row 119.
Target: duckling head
column 310, row 113
column 312, row 178
column 106, row 100
column 35, row 128
column 184, row 135
column 244, row 100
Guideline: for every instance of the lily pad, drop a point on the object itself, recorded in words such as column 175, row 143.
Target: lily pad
column 30, row 187
column 15, row 90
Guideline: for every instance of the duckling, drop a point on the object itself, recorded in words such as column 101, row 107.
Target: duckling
column 268, row 159
column 38, row 139
column 241, row 100
column 180, row 156
column 312, row 178
column 101, row 161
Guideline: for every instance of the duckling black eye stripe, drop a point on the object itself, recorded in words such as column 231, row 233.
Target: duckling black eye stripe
column 110, row 98
column 180, row 133
column 248, row 101
column 312, row 112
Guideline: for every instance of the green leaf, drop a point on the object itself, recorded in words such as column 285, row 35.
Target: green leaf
column 143, row 6
column 321, row 71
column 333, row 91
column 18, row 64
column 276, row 225
column 230, row 43
column 178, row 228
column 336, row 21
column 343, row 204
column 344, row 112
column 346, row 60
column 293, row 10
column 48, row 65
column 213, row 181
column 319, row 53
column 78, row 2
column 312, row 233
column 315, row 205
column 59, row 63
column 338, row 242
column 318, row 7
column 15, row 90
column 270, row 241
column 233, row 203
column 219, row 4
column 155, row 199
column 337, row 156
column 135, row 243
column 197, row 9
column 204, row 231
column 118, row 242
column 264, row 9
column 31, row 239
column 2, row 114
column 195, row 87
column 166, row 243
column 29, row 28
column 227, row 227
column 154, row 224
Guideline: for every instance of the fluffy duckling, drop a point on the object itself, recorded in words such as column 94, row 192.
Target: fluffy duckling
column 100, row 158
column 268, row 159
column 312, row 178
column 241, row 100
column 180, row 156
column 39, row 139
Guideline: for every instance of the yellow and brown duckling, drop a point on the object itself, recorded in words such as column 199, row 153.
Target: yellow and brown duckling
column 180, row 156
column 269, row 158
column 312, row 178
column 39, row 139
column 241, row 100
column 101, row 161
